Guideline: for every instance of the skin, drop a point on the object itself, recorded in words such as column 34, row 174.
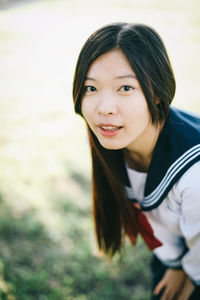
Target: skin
column 176, row 285
column 113, row 97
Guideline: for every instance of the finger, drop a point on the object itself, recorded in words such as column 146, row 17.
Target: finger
column 187, row 290
column 159, row 287
column 167, row 294
column 185, row 294
column 182, row 297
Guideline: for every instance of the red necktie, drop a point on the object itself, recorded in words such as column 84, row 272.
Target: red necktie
column 144, row 228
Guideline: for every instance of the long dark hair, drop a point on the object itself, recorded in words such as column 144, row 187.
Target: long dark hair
column 147, row 55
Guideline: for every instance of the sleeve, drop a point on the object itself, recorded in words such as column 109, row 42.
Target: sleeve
column 190, row 221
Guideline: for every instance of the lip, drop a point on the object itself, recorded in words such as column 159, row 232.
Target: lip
column 109, row 133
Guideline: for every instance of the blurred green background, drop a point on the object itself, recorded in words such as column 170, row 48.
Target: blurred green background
column 47, row 244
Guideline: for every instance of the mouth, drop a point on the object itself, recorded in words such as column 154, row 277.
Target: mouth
column 109, row 130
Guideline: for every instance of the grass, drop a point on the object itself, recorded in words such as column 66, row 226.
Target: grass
column 47, row 244
column 38, row 265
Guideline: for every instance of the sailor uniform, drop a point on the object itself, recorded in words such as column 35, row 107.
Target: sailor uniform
column 169, row 195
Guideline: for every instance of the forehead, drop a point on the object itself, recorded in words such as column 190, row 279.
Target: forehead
column 113, row 63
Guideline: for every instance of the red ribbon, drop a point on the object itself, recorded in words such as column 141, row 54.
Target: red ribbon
column 143, row 227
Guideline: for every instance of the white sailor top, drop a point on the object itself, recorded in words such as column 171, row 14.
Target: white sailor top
column 169, row 195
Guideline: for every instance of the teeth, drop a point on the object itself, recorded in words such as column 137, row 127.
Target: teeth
column 110, row 128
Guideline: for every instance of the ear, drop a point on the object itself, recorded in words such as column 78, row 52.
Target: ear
column 157, row 101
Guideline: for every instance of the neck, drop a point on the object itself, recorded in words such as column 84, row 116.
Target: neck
column 139, row 155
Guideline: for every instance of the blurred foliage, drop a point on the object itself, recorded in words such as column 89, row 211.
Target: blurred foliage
column 35, row 265
column 47, row 244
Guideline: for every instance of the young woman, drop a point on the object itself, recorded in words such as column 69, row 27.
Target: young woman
column 145, row 154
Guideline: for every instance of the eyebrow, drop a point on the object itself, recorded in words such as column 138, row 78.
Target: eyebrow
column 117, row 77
column 127, row 76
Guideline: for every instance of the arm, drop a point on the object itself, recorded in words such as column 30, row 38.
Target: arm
column 190, row 222
column 181, row 282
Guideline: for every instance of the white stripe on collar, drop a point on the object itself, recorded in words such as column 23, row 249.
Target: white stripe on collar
column 175, row 168
column 177, row 149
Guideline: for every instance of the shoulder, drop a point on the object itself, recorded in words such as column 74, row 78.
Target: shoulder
column 184, row 117
column 184, row 125
column 191, row 176
column 189, row 185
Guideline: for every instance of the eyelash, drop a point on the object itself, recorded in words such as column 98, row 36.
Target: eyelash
column 91, row 89
column 125, row 86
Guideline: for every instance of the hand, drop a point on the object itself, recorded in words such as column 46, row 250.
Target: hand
column 172, row 283
column 187, row 290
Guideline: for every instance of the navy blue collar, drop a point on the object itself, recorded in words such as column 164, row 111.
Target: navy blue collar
column 177, row 149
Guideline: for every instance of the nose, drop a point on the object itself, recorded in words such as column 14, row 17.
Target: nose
column 107, row 104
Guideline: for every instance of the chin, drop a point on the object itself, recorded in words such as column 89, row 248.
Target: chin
column 111, row 146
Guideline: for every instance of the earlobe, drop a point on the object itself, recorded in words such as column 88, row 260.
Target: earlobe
column 157, row 101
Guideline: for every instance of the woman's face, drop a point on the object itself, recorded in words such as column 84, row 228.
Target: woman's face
column 114, row 105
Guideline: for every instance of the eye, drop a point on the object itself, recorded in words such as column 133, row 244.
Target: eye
column 126, row 88
column 89, row 89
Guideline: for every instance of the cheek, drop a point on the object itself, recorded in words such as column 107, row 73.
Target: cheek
column 86, row 111
column 143, row 109
column 138, row 116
